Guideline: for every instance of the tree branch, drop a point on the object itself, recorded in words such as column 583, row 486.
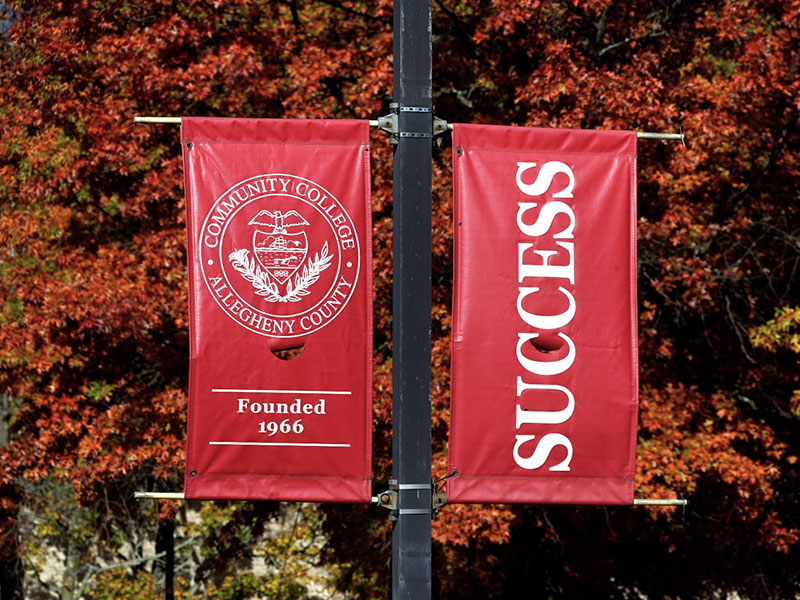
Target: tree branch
column 646, row 36
column 459, row 94
column 93, row 570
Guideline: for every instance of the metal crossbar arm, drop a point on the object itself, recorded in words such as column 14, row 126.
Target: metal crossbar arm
column 169, row 120
column 177, row 120
column 180, row 496
column 159, row 495
column 642, row 135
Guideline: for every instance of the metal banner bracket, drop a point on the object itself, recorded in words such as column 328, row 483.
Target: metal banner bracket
column 440, row 126
column 439, row 500
column 390, row 123
column 389, row 498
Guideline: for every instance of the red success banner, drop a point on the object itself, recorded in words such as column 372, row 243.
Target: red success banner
column 544, row 364
column 279, row 242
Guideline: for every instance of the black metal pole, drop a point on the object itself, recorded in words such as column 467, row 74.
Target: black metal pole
column 169, row 563
column 165, row 542
column 411, row 446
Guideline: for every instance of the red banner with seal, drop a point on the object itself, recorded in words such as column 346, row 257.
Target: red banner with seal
column 544, row 364
column 280, row 296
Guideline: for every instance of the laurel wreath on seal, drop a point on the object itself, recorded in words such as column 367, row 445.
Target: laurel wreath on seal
column 247, row 267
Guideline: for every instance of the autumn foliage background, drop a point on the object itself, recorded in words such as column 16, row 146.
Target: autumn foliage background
column 94, row 343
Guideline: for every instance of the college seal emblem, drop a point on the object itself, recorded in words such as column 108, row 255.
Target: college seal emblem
column 279, row 255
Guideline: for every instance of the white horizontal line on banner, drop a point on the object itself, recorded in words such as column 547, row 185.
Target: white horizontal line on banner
column 308, row 444
column 326, row 392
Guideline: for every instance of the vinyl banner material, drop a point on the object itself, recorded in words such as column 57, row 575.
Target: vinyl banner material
column 544, row 364
column 278, row 219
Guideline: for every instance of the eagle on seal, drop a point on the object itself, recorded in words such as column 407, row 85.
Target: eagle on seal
column 279, row 221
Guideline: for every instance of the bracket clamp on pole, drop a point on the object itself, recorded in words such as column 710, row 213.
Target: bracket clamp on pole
column 390, row 123
column 389, row 499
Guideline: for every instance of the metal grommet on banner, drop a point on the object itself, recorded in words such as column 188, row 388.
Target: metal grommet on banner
column 193, row 473
column 189, row 144
column 443, row 480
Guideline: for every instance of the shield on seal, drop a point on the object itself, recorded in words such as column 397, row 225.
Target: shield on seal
column 281, row 254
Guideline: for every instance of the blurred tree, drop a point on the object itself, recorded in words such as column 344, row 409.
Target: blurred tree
column 94, row 345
